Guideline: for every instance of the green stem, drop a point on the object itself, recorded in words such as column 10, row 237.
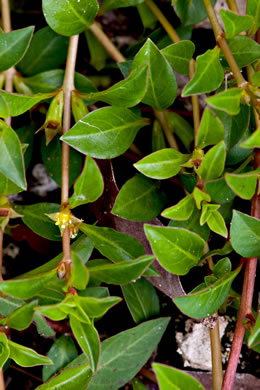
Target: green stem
column 233, row 6
column 217, row 376
column 195, row 105
column 160, row 116
column 68, row 87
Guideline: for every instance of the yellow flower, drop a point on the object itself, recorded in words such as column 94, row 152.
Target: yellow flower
column 64, row 219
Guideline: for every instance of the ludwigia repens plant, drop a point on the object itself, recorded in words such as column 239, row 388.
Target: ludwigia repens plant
column 144, row 237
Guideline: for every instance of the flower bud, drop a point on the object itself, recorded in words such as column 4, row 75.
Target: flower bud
column 78, row 106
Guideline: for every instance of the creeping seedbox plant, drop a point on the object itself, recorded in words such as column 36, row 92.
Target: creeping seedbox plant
column 213, row 161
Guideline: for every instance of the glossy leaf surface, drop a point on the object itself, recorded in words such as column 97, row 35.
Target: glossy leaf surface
column 228, row 101
column 190, row 11
column 208, row 76
column 26, row 357
column 181, row 211
column 22, row 317
column 162, row 85
column 211, row 130
column 234, row 24
column 179, row 55
column 140, row 199
column 89, row 186
column 105, row 133
column 245, row 50
column 213, row 163
column 13, row 46
column 243, row 184
column 207, row 301
column 245, row 234
column 71, row 17
column 253, row 141
column 177, row 250
column 162, row 164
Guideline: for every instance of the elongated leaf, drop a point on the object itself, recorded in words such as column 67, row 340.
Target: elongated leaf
column 170, row 378
column 26, row 357
column 234, row 24
column 88, row 339
column 11, row 162
column 158, row 139
column 125, row 93
column 222, row 267
column 4, row 349
column 162, row 164
column 140, row 199
column 190, row 11
column 206, row 135
column 217, row 224
column 245, row 234
column 181, row 211
column 18, row 104
column 73, row 378
column 9, row 305
column 108, row 5
column 26, row 288
column 200, row 197
column 89, row 186
column 213, row 164
column 128, row 350
column 228, row 101
column 208, row 76
column 79, row 273
column 95, row 307
column 243, row 184
column 207, row 301
column 21, row 318
column 179, row 55
column 98, row 54
column 177, row 250
column 254, row 338
column 121, row 272
column 71, row 17
column 181, row 128
column 162, row 85
column 105, row 133
column 62, row 351
column 244, row 50
column 47, row 51
column 114, row 245
column 43, row 327
column 253, row 141
column 34, row 217
column 13, row 46
column 253, row 9
column 142, row 300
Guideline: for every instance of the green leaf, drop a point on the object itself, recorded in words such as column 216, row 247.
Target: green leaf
column 47, row 50
column 121, row 272
column 162, row 164
column 222, row 267
column 108, row 5
column 13, row 46
column 26, row 288
column 179, row 55
column 21, row 318
column 148, row 18
column 158, row 139
column 126, row 93
column 62, row 351
column 178, row 250
column 193, row 224
column 235, row 24
column 219, row 191
column 4, row 349
column 253, row 141
column 89, row 186
column 253, row 9
column 245, row 234
column 162, row 85
column 170, row 378
column 105, row 133
column 137, row 385
column 181, row 128
column 190, row 11
column 254, row 338
column 207, row 209
column 7, row 187
column 71, row 17
column 142, row 300
column 114, row 245
column 181, row 211
column 256, row 79
column 34, row 217
column 213, row 163
column 207, row 136
column 43, row 327
column 140, row 199
column 200, row 197
column 79, row 273
column 9, row 305
column 51, row 156
column 208, row 76
column 88, row 339
column 129, row 350
column 26, row 357
column 243, row 184
column 11, row 162
column 217, row 224
column 74, row 378
column 98, row 54
column 92, row 307
column 228, row 101
column 207, row 301
column 18, row 104
column 245, row 51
